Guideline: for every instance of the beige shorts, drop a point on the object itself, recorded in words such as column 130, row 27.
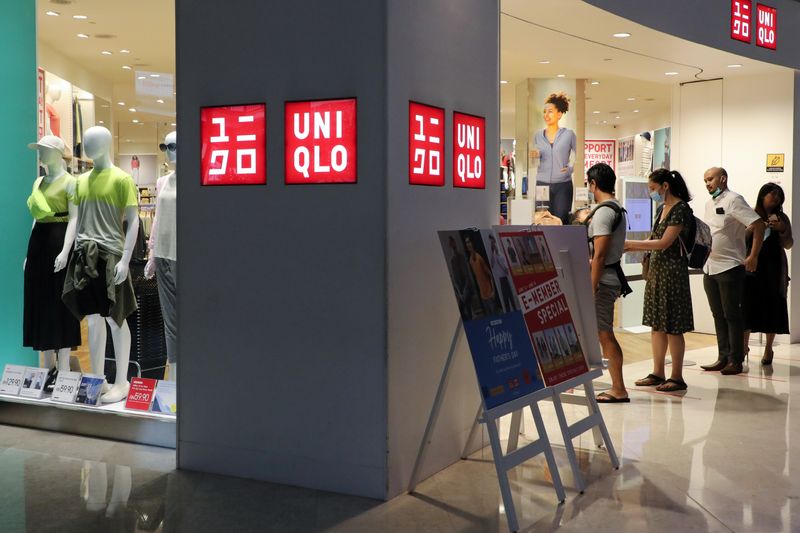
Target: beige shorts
column 604, row 300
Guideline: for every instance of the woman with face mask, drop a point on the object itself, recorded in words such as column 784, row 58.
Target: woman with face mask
column 667, row 299
column 764, row 302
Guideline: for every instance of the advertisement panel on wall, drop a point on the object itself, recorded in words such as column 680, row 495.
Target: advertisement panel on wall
column 425, row 144
column 625, row 157
column 469, row 151
column 233, row 145
column 661, row 148
column 599, row 151
column 495, row 328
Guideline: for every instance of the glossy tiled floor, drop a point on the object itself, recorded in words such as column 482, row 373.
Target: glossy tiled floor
column 722, row 457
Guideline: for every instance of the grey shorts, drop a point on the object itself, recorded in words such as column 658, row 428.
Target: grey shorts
column 604, row 300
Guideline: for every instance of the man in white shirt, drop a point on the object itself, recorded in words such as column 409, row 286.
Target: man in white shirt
column 729, row 218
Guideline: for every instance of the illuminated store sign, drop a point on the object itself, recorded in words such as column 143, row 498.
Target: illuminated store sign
column 233, row 145
column 741, row 19
column 469, row 151
column 425, row 145
column 767, row 26
column 320, row 141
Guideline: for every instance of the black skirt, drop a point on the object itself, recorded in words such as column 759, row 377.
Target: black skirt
column 764, row 304
column 47, row 323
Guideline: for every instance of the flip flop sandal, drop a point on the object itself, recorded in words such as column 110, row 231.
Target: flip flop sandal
column 605, row 397
column 672, row 385
column 650, row 381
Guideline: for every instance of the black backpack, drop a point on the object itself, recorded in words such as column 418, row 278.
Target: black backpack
column 617, row 267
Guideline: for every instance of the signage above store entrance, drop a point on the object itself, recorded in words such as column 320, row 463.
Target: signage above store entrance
column 233, row 145
column 741, row 20
column 320, row 141
column 469, row 151
column 767, row 27
column 425, row 145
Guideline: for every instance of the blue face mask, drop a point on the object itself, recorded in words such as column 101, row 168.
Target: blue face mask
column 716, row 192
column 656, row 197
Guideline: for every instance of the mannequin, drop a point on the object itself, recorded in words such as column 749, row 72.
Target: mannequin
column 106, row 197
column 53, row 95
column 48, row 325
column 162, row 256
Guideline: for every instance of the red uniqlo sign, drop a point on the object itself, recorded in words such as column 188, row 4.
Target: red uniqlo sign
column 425, row 145
column 233, row 145
column 141, row 394
column 469, row 151
column 741, row 19
column 767, row 35
column 321, row 141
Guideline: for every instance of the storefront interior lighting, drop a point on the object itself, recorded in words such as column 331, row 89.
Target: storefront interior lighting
column 83, row 36
column 52, row 13
column 631, row 99
column 135, row 121
column 172, row 124
column 80, row 17
column 617, row 117
column 735, row 65
column 106, row 53
column 124, row 51
column 132, row 110
column 544, row 62
column 126, row 67
column 635, row 110
column 622, row 35
column 141, row 78
column 561, row 75
column 671, row 73
column 101, row 121
column 503, row 82
column 596, row 112
column 595, row 83
column 121, row 103
column 160, row 101
column 155, row 75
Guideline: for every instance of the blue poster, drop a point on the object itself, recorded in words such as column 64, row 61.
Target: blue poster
column 498, row 338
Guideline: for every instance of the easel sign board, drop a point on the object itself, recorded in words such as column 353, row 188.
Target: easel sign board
column 501, row 348
column 544, row 304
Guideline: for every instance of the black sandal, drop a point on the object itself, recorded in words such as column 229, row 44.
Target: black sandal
column 672, row 385
column 650, row 381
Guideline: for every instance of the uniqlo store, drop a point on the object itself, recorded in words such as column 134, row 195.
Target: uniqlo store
column 301, row 336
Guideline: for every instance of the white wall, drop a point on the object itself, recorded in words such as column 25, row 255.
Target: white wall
column 54, row 61
column 631, row 126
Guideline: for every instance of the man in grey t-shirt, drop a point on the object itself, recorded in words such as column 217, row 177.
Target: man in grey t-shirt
column 607, row 236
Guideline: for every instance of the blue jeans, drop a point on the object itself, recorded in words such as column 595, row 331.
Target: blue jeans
column 561, row 200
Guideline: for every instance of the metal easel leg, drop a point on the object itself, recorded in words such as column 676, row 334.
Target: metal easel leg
column 475, row 425
column 548, row 453
column 580, row 484
column 594, row 409
column 513, row 433
column 502, row 476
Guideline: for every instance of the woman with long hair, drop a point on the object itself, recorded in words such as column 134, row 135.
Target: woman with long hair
column 667, row 298
column 765, row 291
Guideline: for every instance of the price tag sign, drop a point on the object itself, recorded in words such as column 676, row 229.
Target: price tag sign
column 12, row 380
column 141, row 394
column 767, row 35
column 320, row 141
column 33, row 381
column 425, row 145
column 469, row 151
column 233, row 142
column 66, row 387
column 741, row 20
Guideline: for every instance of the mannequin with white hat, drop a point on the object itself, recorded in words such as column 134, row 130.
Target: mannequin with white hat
column 48, row 326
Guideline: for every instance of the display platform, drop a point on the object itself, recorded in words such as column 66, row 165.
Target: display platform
column 110, row 421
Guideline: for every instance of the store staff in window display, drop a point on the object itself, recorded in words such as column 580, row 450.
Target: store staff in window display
column 98, row 284
column 48, row 326
column 163, row 252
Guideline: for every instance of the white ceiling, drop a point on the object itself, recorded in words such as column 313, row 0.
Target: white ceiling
column 577, row 40
column 144, row 27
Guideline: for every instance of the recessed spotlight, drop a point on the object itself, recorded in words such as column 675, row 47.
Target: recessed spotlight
column 172, row 124
column 126, row 67
column 596, row 112
column 101, row 122
column 595, row 83
column 141, row 78
column 124, row 51
column 160, row 101
column 80, row 17
column 617, row 117
column 83, row 36
column 121, row 103
column 503, row 82
column 52, row 13
column 135, row 121
column 631, row 99
column 605, row 122
column 735, row 65
column 106, row 53
column 544, row 62
column 635, row 110
column 561, row 75
column 155, row 75
column 622, row 35
column 132, row 110
column 670, row 73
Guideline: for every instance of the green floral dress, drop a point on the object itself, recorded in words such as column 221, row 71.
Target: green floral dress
column 667, row 298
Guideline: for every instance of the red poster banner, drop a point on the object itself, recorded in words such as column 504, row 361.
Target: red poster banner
column 140, row 395
column 233, row 145
column 544, row 306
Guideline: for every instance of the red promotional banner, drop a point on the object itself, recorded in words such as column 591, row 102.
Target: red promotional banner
column 320, row 141
column 469, row 151
column 767, row 35
column 741, row 20
column 544, row 305
column 425, row 145
column 140, row 395
column 233, row 143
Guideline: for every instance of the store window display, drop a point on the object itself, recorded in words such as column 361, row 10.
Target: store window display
column 162, row 256
column 48, row 326
column 98, row 284
column 53, row 95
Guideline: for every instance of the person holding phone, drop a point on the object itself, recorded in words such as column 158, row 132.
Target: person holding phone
column 765, row 291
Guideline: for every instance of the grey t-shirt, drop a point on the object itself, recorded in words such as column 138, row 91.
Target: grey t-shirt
column 601, row 224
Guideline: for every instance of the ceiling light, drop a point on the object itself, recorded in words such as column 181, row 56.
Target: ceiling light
column 121, row 103
column 631, row 99
column 124, row 51
column 617, row 117
column 132, row 110
column 160, row 101
column 172, row 124
column 83, row 36
column 80, row 17
column 106, row 53
column 141, row 78
column 622, row 35
column 52, row 13
column 671, row 73
column 135, row 121
column 605, row 122
column 544, row 62
column 596, row 112
column 635, row 110
column 155, row 75
column 561, row 75
column 503, row 82
column 735, row 65
column 101, row 122
column 126, row 67
column 595, row 83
